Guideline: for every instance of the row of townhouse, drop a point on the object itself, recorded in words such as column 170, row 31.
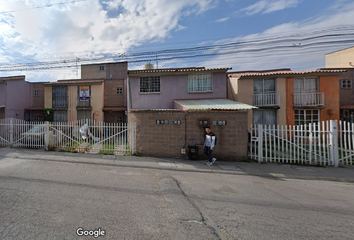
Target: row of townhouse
column 107, row 91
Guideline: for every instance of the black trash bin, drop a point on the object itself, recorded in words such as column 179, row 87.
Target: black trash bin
column 193, row 152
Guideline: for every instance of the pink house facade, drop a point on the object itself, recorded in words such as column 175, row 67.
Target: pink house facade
column 14, row 96
column 158, row 88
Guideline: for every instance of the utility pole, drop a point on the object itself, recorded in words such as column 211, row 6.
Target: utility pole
column 77, row 70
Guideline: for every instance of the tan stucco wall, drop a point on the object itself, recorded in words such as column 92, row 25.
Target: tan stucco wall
column 281, row 90
column 340, row 59
column 93, row 71
column 97, row 101
column 232, row 89
column 48, row 92
column 246, row 96
column 72, row 96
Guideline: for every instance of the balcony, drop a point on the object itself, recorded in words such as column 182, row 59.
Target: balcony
column 266, row 100
column 83, row 103
column 309, row 99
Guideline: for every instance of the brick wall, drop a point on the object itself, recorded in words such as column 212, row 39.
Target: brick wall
column 39, row 100
column 167, row 140
column 117, row 70
column 347, row 95
column 111, row 98
column 111, row 117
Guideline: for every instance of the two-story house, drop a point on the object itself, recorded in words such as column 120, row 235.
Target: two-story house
column 98, row 95
column 344, row 59
column 35, row 111
column 14, row 96
column 115, row 92
column 171, row 107
column 75, row 99
column 287, row 97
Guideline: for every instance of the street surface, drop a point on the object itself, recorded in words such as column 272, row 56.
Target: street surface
column 47, row 195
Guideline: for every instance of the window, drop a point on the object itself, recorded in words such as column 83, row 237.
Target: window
column 266, row 116
column 119, row 119
column 150, row 84
column 101, row 68
column 60, row 116
column 305, row 85
column 119, row 90
column 36, row 93
column 36, row 118
column 345, row 84
column 264, row 86
column 306, row 116
column 201, row 82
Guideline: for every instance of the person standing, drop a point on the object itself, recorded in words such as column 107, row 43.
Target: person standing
column 209, row 145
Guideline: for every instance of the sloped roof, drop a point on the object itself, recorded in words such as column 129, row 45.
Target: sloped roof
column 178, row 70
column 75, row 81
column 213, row 104
column 118, row 108
column 285, row 72
column 20, row 77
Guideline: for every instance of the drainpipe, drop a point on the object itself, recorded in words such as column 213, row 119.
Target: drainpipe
column 185, row 129
column 129, row 92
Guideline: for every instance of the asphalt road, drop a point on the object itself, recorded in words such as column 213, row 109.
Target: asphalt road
column 41, row 199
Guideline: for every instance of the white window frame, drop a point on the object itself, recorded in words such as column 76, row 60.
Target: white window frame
column 346, row 84
column 150, row 83
column 200, row 82
column 303, row 85
column 119, row 90
column 36, row 93
column 306, row 114
column 101, row 68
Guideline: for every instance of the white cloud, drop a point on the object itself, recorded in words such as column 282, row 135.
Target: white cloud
column 269, row 6
column 222, row 20
column 295, row 45
column 87, row 28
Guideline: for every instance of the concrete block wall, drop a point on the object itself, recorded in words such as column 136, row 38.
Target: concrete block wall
column 168, row 140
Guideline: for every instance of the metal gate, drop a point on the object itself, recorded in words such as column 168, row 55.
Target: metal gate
column 20, row 133
column 323, row 143
column 77, row 136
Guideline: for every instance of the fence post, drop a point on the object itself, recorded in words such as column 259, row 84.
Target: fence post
column 260, row 143
column 11, row 131
column 132, row 130
column 46, row 136
column 334, row 143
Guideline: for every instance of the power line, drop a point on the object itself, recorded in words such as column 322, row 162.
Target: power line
column 286, row 45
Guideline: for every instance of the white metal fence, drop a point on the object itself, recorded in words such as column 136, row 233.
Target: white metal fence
column 77, row 136
column 324, row 143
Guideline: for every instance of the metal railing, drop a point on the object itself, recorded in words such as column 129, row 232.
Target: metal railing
column 83, row 103
column 309, row 99
column 266, row 100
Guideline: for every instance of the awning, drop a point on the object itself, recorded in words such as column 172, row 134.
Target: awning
column 347, row 107
column 212, row 104
column 121, row 108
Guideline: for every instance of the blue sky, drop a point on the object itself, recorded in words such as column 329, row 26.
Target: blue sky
column 245, row 35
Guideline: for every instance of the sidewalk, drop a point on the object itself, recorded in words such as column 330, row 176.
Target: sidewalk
column 269, row 170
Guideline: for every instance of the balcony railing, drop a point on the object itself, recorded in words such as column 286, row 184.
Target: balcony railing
column 266, row 100
column 309, row 99
column 83, row 103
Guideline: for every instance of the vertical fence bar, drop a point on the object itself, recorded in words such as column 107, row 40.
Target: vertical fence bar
column 260, row 143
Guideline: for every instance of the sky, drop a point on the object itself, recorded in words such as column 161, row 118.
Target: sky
column 47, row 40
